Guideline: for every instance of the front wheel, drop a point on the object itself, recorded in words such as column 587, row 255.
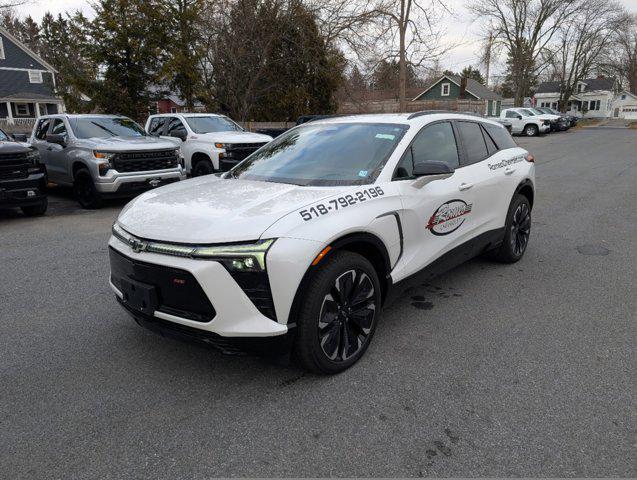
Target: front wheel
column 85, row 191
column 203, row 167
column 340, row 310
column 531, row 130
column 517, row 231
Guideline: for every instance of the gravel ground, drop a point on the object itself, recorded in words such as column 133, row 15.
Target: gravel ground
column 518, row 370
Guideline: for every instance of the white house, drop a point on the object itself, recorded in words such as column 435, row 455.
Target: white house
column 593, row 97
column 625, row 105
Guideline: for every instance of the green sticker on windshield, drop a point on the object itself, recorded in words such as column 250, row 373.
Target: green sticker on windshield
column 385, row 136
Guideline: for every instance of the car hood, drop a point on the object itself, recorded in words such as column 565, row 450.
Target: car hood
column 14, row 147
column 547, row 116
column 234, row 137
column 209, row 209
column 117, row 144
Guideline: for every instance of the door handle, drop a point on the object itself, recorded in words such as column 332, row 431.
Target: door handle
column 509, row 170
column 465, row 186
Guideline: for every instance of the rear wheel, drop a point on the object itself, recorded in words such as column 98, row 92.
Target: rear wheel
column 341, row 306
column 517, row 231
column 203, row 167
column 35, row 210
column 531, row 130
column 85, row 191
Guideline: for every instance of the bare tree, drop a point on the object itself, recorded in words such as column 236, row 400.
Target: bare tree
column 376, row 31
column 581, row 44
column 622, row 59
column 525, row 28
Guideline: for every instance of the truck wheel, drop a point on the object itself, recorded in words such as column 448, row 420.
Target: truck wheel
column 531, row 130
column 339, row 313
column 85, row 191
column 202, row 167
column 35, row 210
column 517, row 231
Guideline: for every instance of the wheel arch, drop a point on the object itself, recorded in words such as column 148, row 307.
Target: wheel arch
column 198, row 156
column 77, row 166
column 526, row 189
column 365, row 244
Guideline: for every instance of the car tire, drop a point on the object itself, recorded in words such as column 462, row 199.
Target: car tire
column 85, row 191
column 340, row 308
column 203, row 167
column 35, row 210
column 531, row 131
column 517, row 231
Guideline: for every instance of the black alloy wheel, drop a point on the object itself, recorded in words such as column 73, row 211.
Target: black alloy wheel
column 336, row 313
column 85, row 191
column 347, row 315
column 520, row 229
column 203, row 167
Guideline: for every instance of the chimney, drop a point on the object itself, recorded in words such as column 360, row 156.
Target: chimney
column 463, row 87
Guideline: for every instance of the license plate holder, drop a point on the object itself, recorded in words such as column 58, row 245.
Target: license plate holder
column 139, row 296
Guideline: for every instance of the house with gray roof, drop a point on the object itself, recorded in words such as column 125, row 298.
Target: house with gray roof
column 593, row 97
column 453, row 87
column 27, row 85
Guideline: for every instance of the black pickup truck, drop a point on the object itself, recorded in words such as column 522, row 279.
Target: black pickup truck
column 22, row 177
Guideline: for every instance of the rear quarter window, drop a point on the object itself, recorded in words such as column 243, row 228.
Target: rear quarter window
column 500, row 136
column 473, row 141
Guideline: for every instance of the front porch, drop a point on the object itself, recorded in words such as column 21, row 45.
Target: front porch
column 19, row 116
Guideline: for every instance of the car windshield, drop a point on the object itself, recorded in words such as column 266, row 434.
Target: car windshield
column 212, row 124
column 536, row 111
column 105, row 127
column 529, row 112
column 4, row 137
column 324, row 154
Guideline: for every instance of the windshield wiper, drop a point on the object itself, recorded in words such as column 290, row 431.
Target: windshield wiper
column 105, row 129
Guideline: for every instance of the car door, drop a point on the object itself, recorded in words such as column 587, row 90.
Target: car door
column 516, row 121
column 156, row 126
column 436, row 217
column 56, row 158
column 176, row 129
column 38, row 139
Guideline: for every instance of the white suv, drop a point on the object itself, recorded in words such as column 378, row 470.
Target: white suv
column 313, row 234
column 525, row 123
column 209, row 142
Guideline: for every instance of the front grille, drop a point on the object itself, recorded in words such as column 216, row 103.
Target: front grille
column 178, row 292
column 239, row 151
column 145, row 161
column 14, row 165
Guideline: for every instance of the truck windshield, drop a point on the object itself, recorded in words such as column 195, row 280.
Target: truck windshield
column 324, row 154
column 105, row 127
column 212, row 124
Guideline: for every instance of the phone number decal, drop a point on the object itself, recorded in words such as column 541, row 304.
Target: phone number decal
column 324, row 208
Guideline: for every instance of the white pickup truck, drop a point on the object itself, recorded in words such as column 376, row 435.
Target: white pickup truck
column 524, row 123
column 209, row 142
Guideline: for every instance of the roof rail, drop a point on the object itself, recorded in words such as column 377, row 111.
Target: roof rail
column 433, row 112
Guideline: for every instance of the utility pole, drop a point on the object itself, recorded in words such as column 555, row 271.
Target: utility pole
column 486, row 58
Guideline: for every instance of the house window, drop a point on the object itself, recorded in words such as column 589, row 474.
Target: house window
column 43, row 109
column 445, row 89
column 580, row 87
column 35, row 76
column 623, row 97
column 1, row 49
column 173, row 109
column 22, row 109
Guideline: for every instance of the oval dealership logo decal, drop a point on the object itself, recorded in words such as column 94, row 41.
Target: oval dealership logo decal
column 449, row 217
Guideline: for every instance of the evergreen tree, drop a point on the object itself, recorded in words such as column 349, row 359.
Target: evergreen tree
column 473, row 73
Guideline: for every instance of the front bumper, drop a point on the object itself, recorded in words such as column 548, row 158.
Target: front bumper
column 234, row 314
column 130, row 183
column 545, row 128
column 23, row 191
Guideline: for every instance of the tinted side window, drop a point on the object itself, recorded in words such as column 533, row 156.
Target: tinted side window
column 174, row 127
column 491, row 146
column 43, row 126
column 58, row 127
column 156, row 126
column 511, row 114
column 473, row 141
column 500, row 136
column 436, row 143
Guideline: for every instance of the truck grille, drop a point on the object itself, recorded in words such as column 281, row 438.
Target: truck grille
column 240, row 151
column 145, row 161
column 13, row 165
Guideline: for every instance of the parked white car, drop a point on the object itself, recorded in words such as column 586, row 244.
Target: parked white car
column 312, row 234
column 209, row 142
column 524, row 123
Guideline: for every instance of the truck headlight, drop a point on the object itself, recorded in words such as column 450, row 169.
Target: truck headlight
column 103, row 155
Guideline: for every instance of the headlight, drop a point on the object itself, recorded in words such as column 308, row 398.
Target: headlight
column 222, row 145
column 249, row 257
column 33, row 156
column 178, row 152
column 103, row 155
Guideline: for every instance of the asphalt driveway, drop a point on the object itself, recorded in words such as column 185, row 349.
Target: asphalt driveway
column 525, row 369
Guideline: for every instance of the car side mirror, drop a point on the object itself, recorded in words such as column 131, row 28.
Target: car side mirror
column 181, row 135
column 20, row 137
column 519, row 117
column 429, row 171
column 58, row 139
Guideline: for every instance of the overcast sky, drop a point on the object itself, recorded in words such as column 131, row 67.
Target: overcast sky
column 462, row 29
